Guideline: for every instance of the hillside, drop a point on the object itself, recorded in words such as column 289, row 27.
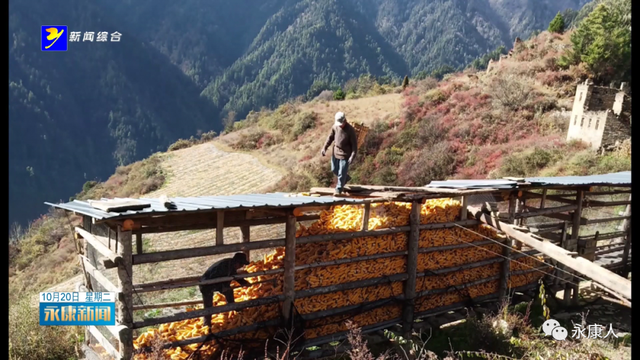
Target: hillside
column 507, row 121
column 183, row 67
column 74, row 116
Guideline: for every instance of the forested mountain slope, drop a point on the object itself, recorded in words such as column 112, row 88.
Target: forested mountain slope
column 75, row 115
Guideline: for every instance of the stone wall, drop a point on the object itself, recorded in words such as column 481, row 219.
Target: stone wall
column 616, row 129
column 590, row 127
column 622, row 104
column 601, row 98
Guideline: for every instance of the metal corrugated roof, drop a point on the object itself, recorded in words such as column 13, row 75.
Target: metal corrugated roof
column 619, row 178
column 206, row 203
column 473, row 184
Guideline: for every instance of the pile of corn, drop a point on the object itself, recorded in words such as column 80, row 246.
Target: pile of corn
column 348, row 219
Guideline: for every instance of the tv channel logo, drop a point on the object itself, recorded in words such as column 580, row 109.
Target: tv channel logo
column 54, row 38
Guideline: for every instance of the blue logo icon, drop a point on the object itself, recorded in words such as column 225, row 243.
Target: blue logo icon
column 54, row 37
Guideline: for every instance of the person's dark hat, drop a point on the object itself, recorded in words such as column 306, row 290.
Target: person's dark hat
column 241, row 258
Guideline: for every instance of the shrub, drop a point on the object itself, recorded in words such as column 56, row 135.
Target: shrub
column 420, row 167
column 208, row 136
column 89, row 185
column 510, row 92
column 30, row 341
column 326, row 95
column 249, row 140
column 435, row 96
column 527, row 163
column 180, row 144
column 303, row 122
column 557, row 24
column 339, row 95
column 269, row 139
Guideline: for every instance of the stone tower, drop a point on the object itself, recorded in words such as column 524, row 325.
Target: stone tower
column 601, row 116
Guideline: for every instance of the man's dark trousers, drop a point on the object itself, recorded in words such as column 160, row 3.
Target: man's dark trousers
column 340, row 168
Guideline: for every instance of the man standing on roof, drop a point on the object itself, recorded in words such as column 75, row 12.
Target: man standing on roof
column 345, row 140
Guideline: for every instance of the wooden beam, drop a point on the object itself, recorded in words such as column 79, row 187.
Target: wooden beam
column 532, row 211
column 209, row 311
column 463, row 208
column 220, row 334
column 365, row 217
column 615, row 192
column 246, row 238
column 195, row 281
column 302, row 210
column 98, row 276
column 598, row 203
column 289, row 270
column 611, row 219
column 167, row 305
column 220, row 228
column 124, row 307
column 581, row 265
column 412, row 266
column 204, row 251
column 506, row 263
column 563, row 240
column 104, row 342
column 97, row 243
column 351, row 260
column 350, row 285
column 139, row 244
column 608, row 251
column 117, row 331
column 565, row 217
column 605, row 236
column 544, row 198
column 627, row 242
column 174, row 226
column 380, row 232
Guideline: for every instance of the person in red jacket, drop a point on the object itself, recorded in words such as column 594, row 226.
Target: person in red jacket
column 345, row 145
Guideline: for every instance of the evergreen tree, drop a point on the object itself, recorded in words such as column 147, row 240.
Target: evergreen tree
column 405, row 82
column 557, row 24
column 603, row 42
column 339, row 95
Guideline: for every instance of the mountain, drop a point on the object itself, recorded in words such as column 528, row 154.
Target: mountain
column 333, row 41
column 248, row 54
column 75, row 115
column 182, row 66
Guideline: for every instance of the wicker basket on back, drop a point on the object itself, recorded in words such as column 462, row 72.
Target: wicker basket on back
column 361, row 133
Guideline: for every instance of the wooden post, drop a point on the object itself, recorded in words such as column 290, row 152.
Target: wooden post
column 124, row 305
column 563, row 240
column 627, row 241
column 463, row 209
column 289, row 269
column 220, row 228
column 589, row 249
column 246, row 237
column 86, row 224
column 412, row 269
column 139, row 244
column 575, row 233
column 544, row 198
column 513, row 208
column 365, row 218
column 506, row 264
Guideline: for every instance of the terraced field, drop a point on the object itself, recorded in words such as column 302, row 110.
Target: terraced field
column 203, row 170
